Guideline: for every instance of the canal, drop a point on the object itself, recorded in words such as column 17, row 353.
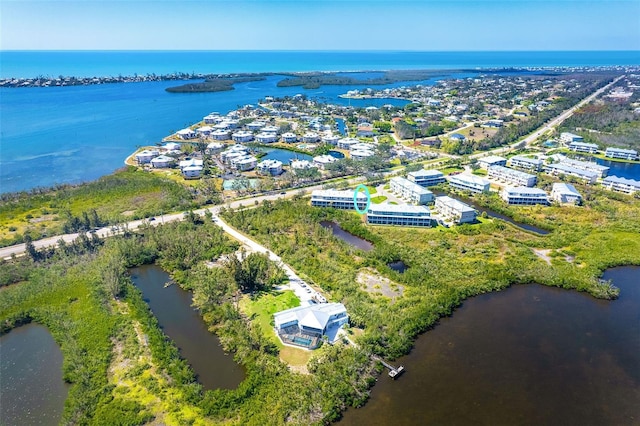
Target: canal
column 347, row 237
column 32, row 391
column 183, row 324
column 529, row 355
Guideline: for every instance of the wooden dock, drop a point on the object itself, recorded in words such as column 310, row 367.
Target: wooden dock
column 393, row 371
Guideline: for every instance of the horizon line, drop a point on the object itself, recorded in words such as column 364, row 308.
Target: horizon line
column 321, row 50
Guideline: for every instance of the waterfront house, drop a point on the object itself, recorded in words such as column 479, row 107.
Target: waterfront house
column 305, row 326
column 242, row 136
column 398, row 215
column 361, row 154
column 212, row 118
column 204, row 131
column 621, row 184
column 589, row 148
column 337, row 199
column 264, row 137
column 186, row 134
column 321, row 161
column 511, row 176
column 565, row 193
column 467, row 182
column 162, row 162
column 623, row 154
column 410, row 191
column 220, row 135
column 145, row 157
column 172, row 146
column 426, row 177
column 522, row 195
column 347, row 143
column 454, row 210
column 289, row 137
column 526, row 163
column 567, row 138
column 491, row 160
column 310, row 137
column 215, row 148
column 270, row 167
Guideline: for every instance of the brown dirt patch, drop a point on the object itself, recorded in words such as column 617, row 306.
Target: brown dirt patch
column 376, row 284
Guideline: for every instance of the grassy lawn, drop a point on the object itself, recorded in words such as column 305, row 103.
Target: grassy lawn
column 450, row 170
column 477, row 133
column 480, row 172
column 372, row 189
column 378, row 200
column 261, row 311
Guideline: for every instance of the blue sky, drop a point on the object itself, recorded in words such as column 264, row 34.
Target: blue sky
column 320, row 25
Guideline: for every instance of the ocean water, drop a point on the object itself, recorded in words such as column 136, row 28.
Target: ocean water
column 76, row 134
column 114, row 63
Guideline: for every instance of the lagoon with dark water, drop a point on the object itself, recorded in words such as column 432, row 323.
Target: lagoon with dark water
column 347, row 237
column 179, row 320
column 32, row 391
column 529, row 355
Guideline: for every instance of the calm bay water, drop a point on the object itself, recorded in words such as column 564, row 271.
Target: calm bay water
column 530, row 355
column 76, row 134
column 620, row 169
column 32, row 391
column 114, row 63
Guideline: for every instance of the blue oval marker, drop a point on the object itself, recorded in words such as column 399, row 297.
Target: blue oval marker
column 355, row 198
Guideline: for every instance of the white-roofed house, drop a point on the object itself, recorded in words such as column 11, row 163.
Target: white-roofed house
column 242, row 136
column 321, row 161
column 289, row 137
column 305, row 326
column 565, row 193
column 270, row 167
column 186, row 134
column 162, row 162
column 491, row 160
column 145, row 157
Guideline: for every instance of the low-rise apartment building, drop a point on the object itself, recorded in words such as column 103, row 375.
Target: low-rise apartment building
column 590, row 148
column 511, row 176
column 426, row 177
column 565, row 193
column 398, row 215
column 454, row 210
column 522, row 195
column 621, row 184
column 525, row 163
column 623, row 154
column 467, row 182
column 337, row 199
column 410, row 191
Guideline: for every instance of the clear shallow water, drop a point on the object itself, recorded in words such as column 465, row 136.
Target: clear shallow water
column 32, row 391
column 529, row 355
column 183, row 324
column 114, row 63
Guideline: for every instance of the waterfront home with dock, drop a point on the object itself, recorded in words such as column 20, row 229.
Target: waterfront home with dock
column 410, row 191
column 305, row 326
column 511, row 176
column 426, row 177
column 621, row 184
column 454, row 210
column 337, row 199
column 398, row 215
column 466, row 182
column 565, row 193
column 524, row 196
column 623, row 154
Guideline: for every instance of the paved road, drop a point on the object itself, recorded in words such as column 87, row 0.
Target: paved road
column 551, row 125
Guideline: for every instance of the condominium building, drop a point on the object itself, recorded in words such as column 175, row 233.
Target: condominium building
column 624, row 154
column 242, row 136
column 491, row 160
column 426, row 177
column 511, row 176
column 467, row 182
column 621, row 184
column 590, row 148
column 562, row 169
column 525, row 163
column 347, row 143
column 270, row 167
column 565, row 193
column 245, row 163
column 522, row 195
column 454, row 210
column 337, row 199
column 567, row 137
column 400, row 215
column 586, row 165
column 321, row 161
column 410, row 191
